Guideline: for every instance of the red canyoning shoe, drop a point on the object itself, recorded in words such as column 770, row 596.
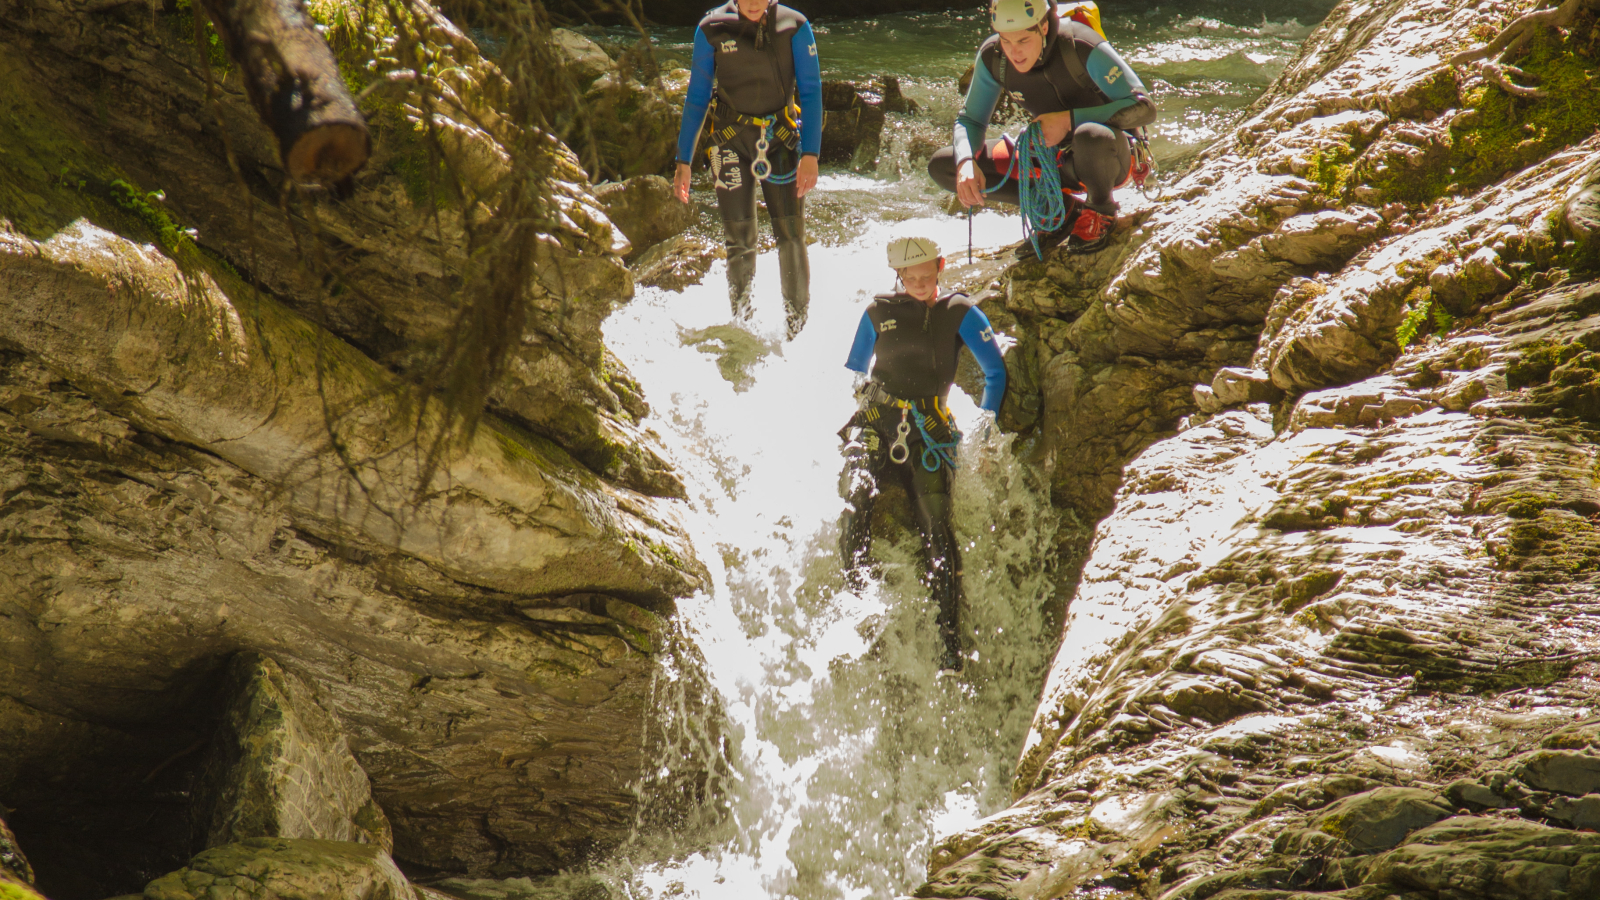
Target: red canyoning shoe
column 1090, row 234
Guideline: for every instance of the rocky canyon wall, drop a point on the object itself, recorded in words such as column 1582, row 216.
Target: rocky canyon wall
column 1337, row 400
column 251, row 603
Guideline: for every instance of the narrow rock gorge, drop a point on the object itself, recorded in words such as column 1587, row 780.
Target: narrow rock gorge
column 1336, row 402
column 299, row 597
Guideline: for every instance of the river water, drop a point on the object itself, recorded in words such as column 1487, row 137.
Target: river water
column 849, row 753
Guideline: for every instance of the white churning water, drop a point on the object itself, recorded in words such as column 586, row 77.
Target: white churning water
column 849, row 753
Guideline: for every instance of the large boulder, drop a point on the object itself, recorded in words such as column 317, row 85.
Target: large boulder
column 631, row 126
column 646, row 210
column 212, row 441
column 1381, row 818
column 583, row 58
column 852, row 125
column 280, row 767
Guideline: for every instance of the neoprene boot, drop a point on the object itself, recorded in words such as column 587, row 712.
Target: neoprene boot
column 739, row 237
column 794, row 269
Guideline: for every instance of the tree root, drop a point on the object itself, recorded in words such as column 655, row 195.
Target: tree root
column 1496, row 73
column 1513, row 36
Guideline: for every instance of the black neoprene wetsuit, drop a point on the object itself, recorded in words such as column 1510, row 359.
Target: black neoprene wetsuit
column 1078, row 71
column 756, row 69
column 914, row 348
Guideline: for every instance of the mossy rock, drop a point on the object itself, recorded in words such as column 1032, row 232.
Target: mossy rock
column 1380, row 818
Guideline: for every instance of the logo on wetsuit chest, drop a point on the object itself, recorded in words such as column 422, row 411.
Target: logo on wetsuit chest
column 729, row 46
column 887, row 326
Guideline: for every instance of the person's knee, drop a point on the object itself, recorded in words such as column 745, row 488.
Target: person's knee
column 1093, row 135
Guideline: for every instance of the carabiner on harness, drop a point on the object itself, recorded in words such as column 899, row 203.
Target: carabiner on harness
column 900, row 451
column 761, row 168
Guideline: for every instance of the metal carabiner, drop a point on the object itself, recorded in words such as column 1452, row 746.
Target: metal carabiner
column 760, row 168
column 899, row 452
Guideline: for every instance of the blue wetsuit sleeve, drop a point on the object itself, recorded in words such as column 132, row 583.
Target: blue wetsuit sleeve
column 861, row 350
column 972, row 125
column 808, row 88
column 1113, row 76
column 978, row 335
column 702, row 75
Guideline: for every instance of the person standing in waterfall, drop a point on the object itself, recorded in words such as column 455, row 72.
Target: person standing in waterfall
column 766, row 128
column 1085, row 99
column 903, row 428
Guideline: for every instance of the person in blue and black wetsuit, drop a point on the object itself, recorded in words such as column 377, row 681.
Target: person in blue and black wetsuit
column 1083, row 95
column 903, row 429
column 766, row 127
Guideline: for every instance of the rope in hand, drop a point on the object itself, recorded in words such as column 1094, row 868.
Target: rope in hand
column 1044, row 207
column 997, row 184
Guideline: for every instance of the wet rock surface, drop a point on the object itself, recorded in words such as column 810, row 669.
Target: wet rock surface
column 266, row 868
column 645, row 209
column 1334, row 638
column 249, row 611
column 280, row 767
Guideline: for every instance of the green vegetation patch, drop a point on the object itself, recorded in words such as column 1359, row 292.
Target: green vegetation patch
column 1556, row 543
column 10, row 890
column 1330, row 169
column 1538, row 361
column 1424, row 315
column 1509, row 132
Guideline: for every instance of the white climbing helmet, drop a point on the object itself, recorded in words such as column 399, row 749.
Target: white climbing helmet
column 910, row 251
column 1015, row 15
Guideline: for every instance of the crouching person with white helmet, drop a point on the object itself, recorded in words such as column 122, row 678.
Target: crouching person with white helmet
column 1084, row 100
column 903, row 428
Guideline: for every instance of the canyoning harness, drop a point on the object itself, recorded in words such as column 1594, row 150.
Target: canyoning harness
column 928, row 414
column 782, row 126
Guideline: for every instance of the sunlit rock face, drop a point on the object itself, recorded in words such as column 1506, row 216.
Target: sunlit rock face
column 213, row 455
column 1337, row 644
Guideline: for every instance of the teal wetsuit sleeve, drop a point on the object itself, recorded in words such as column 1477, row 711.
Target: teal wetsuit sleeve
column 978, row 335
column 702, row 75
column 1113, row 76
column 861, row 350
column 808, row 88
column 972, row 124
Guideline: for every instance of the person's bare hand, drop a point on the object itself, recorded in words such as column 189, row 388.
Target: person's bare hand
column 680, row 183
column 805, row 176
column 969, row 184
column 1056, row 126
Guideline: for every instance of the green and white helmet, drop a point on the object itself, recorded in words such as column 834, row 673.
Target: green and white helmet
column 1015, row 15
column 910, row 251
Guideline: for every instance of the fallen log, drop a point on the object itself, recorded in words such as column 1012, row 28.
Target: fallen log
column 293, row 81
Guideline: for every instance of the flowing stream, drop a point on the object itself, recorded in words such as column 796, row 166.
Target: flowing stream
column 849, row 753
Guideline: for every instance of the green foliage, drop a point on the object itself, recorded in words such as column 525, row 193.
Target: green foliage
column 1534, row 365
column 1510, row 133
column 1330, row 169
column 1422, row 311
column 172, row 237
column 10, row 890
column 182, row 24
